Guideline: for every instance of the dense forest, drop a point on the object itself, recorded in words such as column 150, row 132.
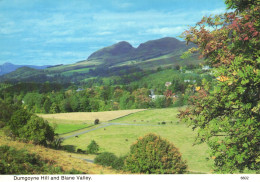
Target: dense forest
column 129, row 91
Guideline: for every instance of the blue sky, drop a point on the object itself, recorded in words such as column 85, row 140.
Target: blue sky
column 49, row 32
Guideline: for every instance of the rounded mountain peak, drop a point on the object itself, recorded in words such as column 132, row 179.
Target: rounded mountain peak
column 120, row 48
column 166, row 42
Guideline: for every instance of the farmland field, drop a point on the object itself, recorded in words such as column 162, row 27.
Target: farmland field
column 118, row 138
column 69, row 122
column 65, row 128
column 79, row 117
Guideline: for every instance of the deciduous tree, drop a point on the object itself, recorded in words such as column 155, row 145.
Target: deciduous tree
column 227, row 117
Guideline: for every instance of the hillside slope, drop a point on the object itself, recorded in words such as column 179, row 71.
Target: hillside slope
column 67, row 161
column 116, row 59
column 9, row 67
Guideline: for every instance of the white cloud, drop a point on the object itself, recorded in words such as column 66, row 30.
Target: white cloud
column 67, row 40
column 104, row 33
column 62, row 32
column 164, row 31
column 9, row 27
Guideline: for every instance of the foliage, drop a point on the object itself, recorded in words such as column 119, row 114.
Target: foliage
column 18, row 119
column 38, row 131
column 105, row 159
column 116, row 93
column 154, row 155
column 110, row 159
column 93, row 147
column 15, row 161
column 2, row 124
column 119, row 163
column 6, row 111
column 26, row 126
column 228, row 116
column 96, row 121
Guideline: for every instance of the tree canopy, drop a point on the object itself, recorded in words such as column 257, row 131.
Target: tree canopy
column 227, row 115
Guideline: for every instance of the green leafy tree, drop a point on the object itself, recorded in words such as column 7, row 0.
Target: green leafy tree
column 18, row 120
column 227, row 117
column 6, row 111
column 38, row 131
column 153, row 155
column 47, row 105
column 93, row 147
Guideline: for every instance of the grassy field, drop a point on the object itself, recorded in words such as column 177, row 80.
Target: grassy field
column 119, row 138
column 81, row 117
column 66, row 128
column 151, row 116
column 69, row 122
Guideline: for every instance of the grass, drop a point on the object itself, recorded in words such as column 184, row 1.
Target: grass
column 113, row 138
column 151, row 116
column 67, row 161
column 79, row 117
column 66, row 128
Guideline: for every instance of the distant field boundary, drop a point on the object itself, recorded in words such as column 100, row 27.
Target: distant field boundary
column 127, row 115
column 103, row 116
column 101, row 122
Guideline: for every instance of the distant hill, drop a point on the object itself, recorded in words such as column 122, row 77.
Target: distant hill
column 9, row 67
column 117, row 60
column 117, row 50
column 124, row 51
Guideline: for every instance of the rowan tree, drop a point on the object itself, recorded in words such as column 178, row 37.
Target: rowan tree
column 227, row 116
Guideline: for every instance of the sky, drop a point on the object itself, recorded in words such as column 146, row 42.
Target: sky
column 50, row 32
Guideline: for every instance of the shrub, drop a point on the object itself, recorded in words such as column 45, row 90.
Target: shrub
column 93, row 147
column 18, row 119
column 110, row 159
column 119, row 163
column 105, row 159
column 96, row 121
column 69, row 148
column 2, row 124
column 38, row 131
column 154, row 155
column 57, row 142
column 13, row 161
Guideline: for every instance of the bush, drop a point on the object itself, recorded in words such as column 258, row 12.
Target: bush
column 96, row 121
column 92, row 148
column 57, row 142
column 38, row 131
column 13, row 161
column 105, row 159
column 2, row 124
column 154, row 155
column 18, row 119
column 69, row 148
column 110, row 159
column 119, row 163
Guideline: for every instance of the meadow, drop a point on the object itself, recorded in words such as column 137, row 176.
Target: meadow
column 118, row 138
column 69, row 122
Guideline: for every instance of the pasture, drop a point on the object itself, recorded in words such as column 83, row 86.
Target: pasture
column 79, row 117
column 69, row 122
column 118, row 138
